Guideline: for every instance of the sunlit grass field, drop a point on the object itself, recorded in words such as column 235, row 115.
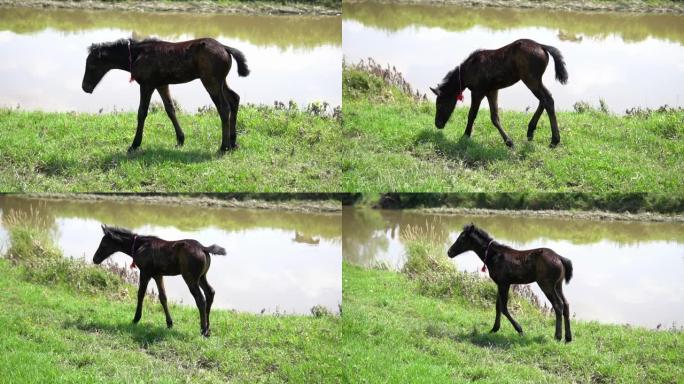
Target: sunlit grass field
column 281, row 150
column 393, row 145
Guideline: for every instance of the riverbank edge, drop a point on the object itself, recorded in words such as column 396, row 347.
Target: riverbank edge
column 553, row 5
column 262, row 7
column 595, row 215
column 236, row 200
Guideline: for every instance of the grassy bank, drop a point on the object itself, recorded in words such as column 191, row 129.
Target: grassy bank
column 266, row 7
column 393, row 146
column 294, row 202
column 430, row 323
column 64, row 321
column 634, row 6
column 283, row 150
column 650, row 204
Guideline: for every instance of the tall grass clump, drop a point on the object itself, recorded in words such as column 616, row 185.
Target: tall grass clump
column 428, row 264
column 33, row 250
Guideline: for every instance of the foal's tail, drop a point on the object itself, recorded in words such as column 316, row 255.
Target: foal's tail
column 561, row 72
column 243, row 70
column 215, row 250
column 567, row 266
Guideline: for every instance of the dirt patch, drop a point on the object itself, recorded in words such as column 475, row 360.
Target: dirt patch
column 330, row 205
column 254, row 8
column 636, row 6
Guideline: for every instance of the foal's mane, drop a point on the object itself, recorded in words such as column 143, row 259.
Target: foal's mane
column 118, row 233
column 449, row 83
column 117, row 44
column 482, row 234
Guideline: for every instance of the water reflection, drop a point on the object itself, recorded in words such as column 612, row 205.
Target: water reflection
column 625, row 272
column 265, row 269
column 608, row 55
column 291, row 58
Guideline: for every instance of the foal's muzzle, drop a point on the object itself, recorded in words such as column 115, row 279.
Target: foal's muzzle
column 87, row 88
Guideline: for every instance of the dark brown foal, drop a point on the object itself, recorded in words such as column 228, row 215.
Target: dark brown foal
column 509, row 266
column 157, row 258
column 484, row 72
column 155, row 64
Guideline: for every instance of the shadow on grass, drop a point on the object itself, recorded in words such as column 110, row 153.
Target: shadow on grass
column 497, row 340
column 472, row 153
column 143, row 334
column 155, row 156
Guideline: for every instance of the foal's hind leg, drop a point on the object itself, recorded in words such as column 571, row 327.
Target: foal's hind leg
column 546, row 100
column 566, row 310
column 234, row 101
column 209, row 293
column 214, row 88
column 145, row 96
column 556, row 303
column 171, row 112
column 532, row 126
column 492, row 97
column 200, row 302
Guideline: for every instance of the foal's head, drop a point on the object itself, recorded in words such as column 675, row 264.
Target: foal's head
column 114, row 240
column 472, row 237
column 101, row 58
column 448, row 92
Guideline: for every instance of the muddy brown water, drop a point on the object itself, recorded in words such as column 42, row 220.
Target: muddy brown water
column 624, row 272
column 278, row 261
column 44, row 51
column 628, row 60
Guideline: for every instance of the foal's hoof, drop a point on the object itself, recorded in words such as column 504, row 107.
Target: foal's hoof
column 568, row 339
column 530, row 138
column 180, row 141
column 169, row 324
column 509, row 143
column 132, row 149
column 224, row 150
column 206, row 333
column 554, row 143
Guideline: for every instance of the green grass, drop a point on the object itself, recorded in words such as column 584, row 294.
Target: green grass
column 431, row 324
column 280, row 150
column 61, row 327
column 394, row 146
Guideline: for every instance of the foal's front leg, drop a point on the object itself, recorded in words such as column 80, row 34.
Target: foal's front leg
column 144, row 279
column 492, row 97
column 497, row 320
column 503, row 293
column 145, row 95
column 475, row 100
column 162, row 299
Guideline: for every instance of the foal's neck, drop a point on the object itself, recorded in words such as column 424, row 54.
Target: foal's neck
column 481, row 249
column 120, row 56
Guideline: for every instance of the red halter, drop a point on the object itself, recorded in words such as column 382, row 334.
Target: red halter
column 484, row 267
column 130, row 62
column 133, row 252
column 459, row 96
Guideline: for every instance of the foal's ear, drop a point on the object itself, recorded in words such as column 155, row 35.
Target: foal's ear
column 435, row 91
